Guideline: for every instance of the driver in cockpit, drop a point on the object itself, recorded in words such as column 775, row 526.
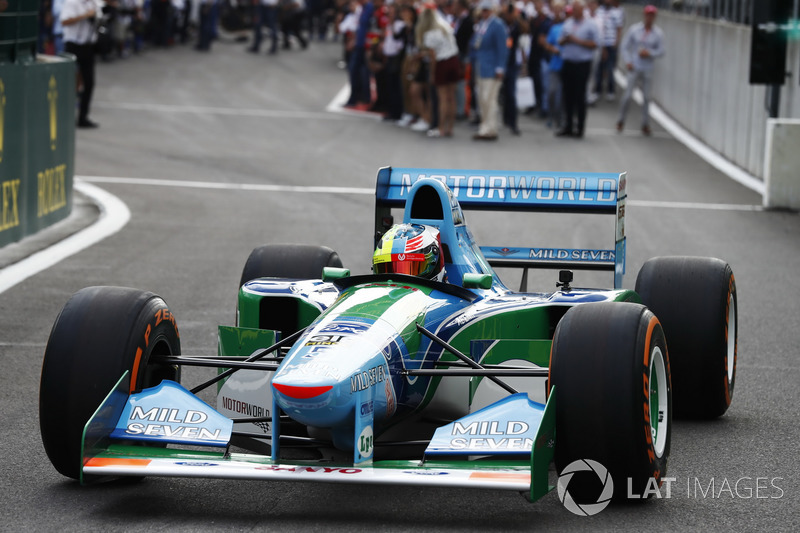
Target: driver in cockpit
column 411, row 249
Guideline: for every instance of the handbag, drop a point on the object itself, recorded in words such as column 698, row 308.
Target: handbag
column 526, row 98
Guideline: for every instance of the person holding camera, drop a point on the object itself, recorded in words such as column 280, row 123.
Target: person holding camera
column 78, row 19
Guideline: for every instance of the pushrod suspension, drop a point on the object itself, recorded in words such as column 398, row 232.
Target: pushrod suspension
column 464, row 358
column 258, row 354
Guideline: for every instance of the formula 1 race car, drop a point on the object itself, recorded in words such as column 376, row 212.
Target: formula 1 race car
column 398, row 379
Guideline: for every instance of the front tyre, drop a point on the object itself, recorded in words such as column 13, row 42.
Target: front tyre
column 695, row 300
column 294, row 261
column 611, row 372
column 100, row 333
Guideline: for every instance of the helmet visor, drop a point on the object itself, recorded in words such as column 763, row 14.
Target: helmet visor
column 410, row 264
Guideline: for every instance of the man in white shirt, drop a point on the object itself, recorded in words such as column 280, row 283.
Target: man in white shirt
column 642, row 45
column 591, row 13
column 78, row 20
column 612, row 19
column 578, row 40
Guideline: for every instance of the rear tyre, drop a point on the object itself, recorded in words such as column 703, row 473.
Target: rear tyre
column 610, row 369
column 295, row 261
column 695, row 300
column 100, row 333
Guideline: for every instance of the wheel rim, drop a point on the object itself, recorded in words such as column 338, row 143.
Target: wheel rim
column 153, row 374
column 659, row 401
column 731, row 355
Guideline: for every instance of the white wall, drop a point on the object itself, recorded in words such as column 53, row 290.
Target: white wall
column 782, row 163
column 702, row 82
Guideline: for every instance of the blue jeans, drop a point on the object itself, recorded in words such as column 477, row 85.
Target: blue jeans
column 206, row 33
column 510, row 97
column 359, row 77
column 554, row 105
column 606, row 68
column 266, row 15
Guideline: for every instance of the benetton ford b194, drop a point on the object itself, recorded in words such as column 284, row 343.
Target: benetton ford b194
column 429, row 371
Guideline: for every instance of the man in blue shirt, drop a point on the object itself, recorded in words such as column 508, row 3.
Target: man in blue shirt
column 554, row 106
column 579, row 38
column 357, row 67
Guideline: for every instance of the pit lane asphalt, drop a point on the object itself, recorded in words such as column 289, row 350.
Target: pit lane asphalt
column 230, row 117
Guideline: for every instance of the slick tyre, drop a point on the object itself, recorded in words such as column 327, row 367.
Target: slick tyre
column 294, row 261
column 100, row 333
column 610, row 371
column 695, row 300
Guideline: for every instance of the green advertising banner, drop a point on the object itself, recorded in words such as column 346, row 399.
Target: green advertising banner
column 50, row 121
column 37, row 145
column 12, row 150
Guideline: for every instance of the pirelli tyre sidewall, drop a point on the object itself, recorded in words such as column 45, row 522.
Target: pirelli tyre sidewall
column 610, row 369
column 695, row 299
column 100, row 333
column 293, row 261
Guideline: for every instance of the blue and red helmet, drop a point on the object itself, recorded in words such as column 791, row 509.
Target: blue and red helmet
column 411, row 249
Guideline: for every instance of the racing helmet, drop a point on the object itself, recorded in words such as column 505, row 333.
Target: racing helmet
column 411, row 249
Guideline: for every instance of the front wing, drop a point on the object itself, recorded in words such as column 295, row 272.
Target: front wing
column 105, row 456
column 123, row 461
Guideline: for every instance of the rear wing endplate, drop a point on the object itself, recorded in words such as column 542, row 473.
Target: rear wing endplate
column 559, row 192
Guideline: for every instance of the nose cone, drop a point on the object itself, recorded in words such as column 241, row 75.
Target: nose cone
column 340, row 363
column 312, row 399
column 302, row 392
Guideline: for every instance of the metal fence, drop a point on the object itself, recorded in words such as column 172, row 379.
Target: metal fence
column 735, row 11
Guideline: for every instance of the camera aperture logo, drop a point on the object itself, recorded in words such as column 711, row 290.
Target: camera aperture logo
column 585, row 509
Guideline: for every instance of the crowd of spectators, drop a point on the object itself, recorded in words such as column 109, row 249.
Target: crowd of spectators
column 426, row 65
column 123, row 27
column 115, row 29
column 423, row 66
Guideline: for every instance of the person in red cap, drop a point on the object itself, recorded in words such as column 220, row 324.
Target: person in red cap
column 642, row 44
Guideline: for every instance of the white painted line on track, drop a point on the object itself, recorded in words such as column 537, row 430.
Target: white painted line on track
column 696, row 205
column 229, row 186
column 694, row 144
column 366, row 191
column 337, row 104
column 114, row 214
column 207, row 110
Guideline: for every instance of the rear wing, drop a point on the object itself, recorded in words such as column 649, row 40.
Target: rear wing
column 560, row 192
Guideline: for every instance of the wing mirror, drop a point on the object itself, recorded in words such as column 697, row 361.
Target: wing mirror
column 477, row 281
column 334, row 273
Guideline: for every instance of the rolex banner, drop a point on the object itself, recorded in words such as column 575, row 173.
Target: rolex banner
column 37, row 145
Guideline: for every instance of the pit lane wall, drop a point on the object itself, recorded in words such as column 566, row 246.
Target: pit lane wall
column 783, row 161
column 37, row 127
column 702, row 83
